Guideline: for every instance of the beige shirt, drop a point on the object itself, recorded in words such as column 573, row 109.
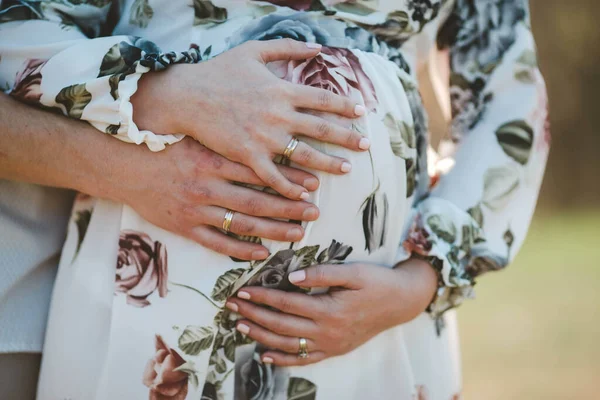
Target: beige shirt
column 33, row 222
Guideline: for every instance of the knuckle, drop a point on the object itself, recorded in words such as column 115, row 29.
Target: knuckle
column 272, row 179
column 218, row 247
column 305, row 155
column 324, row 130
column 325, row 99
column 244, row 226
column 253, row 206
column 284, row 304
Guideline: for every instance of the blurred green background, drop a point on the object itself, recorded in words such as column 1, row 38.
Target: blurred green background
column 533, row 331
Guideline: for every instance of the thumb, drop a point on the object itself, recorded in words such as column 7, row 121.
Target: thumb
column 286, row 50
column 340, row 275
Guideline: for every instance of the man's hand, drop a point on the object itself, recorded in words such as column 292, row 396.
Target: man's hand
column 238, row 108
column 363, row 301
column 188, row 188
column 182, row 189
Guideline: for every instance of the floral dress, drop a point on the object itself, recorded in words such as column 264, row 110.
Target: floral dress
column 139, row 313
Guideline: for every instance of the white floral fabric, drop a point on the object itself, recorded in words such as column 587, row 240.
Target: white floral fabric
column 138, row 312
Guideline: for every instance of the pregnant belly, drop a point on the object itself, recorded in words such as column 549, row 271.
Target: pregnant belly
column 364, row 209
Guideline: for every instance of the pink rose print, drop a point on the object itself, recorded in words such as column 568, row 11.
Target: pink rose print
column 160, row 376
column 141, row 268
column 28, row 81
column 417, row 240
column 337, row 70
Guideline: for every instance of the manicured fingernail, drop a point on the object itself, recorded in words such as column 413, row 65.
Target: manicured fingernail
column 260, row 255
column 364, row 143
column 313, row 45
column 232, row 306
column 293, row 234
column 346, row 167
column 359, row 110
column 243, row 295
column 304, row 196
column 267, row 360
column 297, row 276
column 311, row 183
column 310, row 214
column 243, row 328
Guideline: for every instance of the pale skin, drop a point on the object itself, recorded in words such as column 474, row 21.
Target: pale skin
column 245, row 121
column 364, row 300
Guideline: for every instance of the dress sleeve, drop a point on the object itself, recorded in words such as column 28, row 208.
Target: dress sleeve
column 52, row 55
column 474, row 217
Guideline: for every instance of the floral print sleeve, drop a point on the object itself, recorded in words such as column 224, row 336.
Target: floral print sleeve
column 475, row 217
column 67, row 65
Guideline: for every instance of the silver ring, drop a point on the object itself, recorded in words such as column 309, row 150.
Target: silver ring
column 302, row 349
column 227, row 220
column 287, row 153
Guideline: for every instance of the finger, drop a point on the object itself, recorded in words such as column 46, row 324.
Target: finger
column 264, row 336
column 272, row 177
column 329, row 132
column 309, row 157
column 283, row 324
column 212, row 239
column 323, row 100
column 240, row 173
column 247, row 225
column 260, row 204
column 299, row 304
column 285, row 50
column 343, row 275
column 289, row 360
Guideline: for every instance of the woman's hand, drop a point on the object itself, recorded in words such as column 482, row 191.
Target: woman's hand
column 236, row 107
column 363, row 301
column 187, row 188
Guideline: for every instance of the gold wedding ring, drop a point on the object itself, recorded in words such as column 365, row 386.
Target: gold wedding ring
column 227, row 220
column 303, row 349
column 287, row 153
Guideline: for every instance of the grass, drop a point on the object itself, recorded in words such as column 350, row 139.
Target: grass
column 532, row 333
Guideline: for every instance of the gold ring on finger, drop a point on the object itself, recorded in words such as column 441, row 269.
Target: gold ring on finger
column 289, row 150
column 227, row 220
column 302, row 349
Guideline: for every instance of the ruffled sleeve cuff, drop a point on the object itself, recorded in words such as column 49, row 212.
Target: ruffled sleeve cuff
column 452, row 241
column 112, row 111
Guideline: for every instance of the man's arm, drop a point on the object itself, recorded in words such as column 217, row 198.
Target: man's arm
column 177, row 189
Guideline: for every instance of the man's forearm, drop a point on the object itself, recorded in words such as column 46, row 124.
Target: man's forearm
column 49, row 149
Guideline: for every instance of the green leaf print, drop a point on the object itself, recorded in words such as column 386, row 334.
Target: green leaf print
column 74, row 98
column 113, row 82
column 516, row 139
column 477, row 213
column 218, row 362
column 189, row 368
column 402, row 137
column 224, row 283
column 141, row 13
column 301, row 389
column 195, row 339
column 113, row 62
column 354, row 8
column 305, row 257
column 205, row 12
column 528, row 58
column 443, row 227
column 499, row 184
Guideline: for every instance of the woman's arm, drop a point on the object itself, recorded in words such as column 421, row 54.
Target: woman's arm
column 48, row 149
column 476, row 217
column 52, row 57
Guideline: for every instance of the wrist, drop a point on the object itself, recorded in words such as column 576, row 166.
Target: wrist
column 153, row 100
column 416, row 282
